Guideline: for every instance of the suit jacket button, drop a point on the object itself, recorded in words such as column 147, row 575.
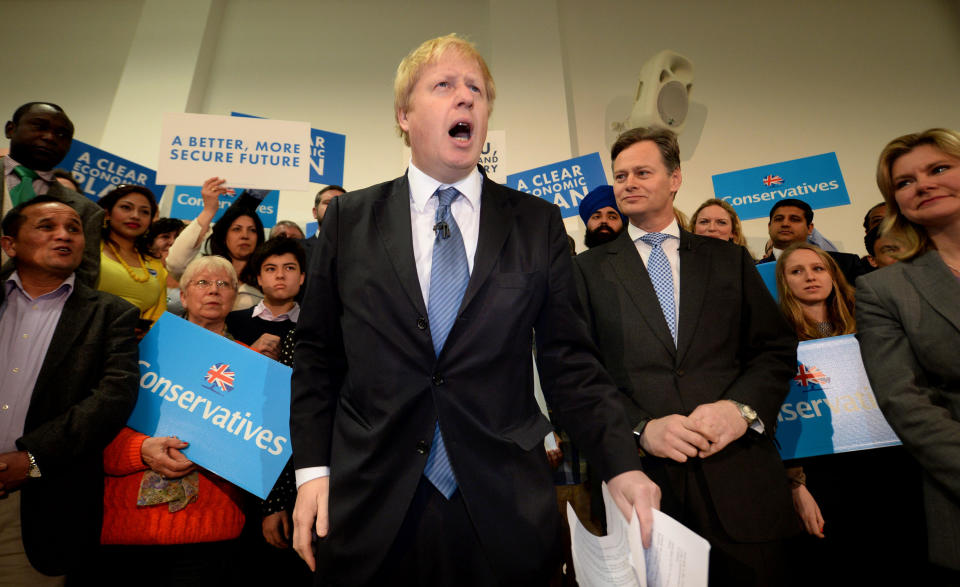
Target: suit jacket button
column 422, row 447
column 437, row 380
column 679, row 372
column 422, row 323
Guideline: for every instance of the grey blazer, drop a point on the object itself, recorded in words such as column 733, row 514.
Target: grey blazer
column 908, row 317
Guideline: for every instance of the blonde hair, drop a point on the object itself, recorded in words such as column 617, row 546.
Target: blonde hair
column 736, row 227
column 915, row 239
column 409, row 70
column 840, row 302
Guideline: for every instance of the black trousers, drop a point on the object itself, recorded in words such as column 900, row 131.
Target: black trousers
column 438, row 545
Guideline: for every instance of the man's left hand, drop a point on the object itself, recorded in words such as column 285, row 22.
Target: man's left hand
column 719, row 422
column 633, row 490
column 13, row 470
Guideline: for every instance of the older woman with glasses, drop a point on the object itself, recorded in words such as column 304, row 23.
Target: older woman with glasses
column 167, row 521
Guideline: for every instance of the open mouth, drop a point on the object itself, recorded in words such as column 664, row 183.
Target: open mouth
column 63, row 250
column 462, row 131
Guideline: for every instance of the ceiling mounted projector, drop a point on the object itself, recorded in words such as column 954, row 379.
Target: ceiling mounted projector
column 663, row 92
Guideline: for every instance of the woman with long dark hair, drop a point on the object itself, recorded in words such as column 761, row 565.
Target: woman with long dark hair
column 127, row 269
column 234, row 237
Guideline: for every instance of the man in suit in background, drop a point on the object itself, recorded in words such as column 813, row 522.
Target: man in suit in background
column 703, row 359
column 68, row 381
column 791, row 221
column 40, row 135
column 413, row 419
column 320, row 203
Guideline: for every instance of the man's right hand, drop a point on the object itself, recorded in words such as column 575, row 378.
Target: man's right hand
column 672, row 437
column 310, row 513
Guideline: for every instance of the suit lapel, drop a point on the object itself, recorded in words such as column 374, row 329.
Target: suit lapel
column 494, row 227
column 629, row 269
column 392, row 215
column 936, row 284
column 70, row 328
column 694, row 272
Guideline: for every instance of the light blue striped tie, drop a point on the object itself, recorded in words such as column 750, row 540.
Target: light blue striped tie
column 449, row 276
column 658, row 266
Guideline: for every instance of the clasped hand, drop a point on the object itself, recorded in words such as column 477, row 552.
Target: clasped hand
column 705, row 432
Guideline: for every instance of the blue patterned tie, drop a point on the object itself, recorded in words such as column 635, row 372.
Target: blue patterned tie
column 662, row 277
column 448, row 280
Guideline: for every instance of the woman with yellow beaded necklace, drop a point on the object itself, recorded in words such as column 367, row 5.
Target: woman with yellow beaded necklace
column 127, row 269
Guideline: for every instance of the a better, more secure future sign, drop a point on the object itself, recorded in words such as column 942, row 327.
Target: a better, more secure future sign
column 248, row 152
column 230, row 403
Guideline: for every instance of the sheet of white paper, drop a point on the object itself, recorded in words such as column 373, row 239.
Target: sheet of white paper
column 678, row 557
column 600, row 561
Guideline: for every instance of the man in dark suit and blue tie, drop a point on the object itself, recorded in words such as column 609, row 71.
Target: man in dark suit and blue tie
column 702, row 357
column 418, row 444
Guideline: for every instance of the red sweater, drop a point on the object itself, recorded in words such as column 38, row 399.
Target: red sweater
column 216, row 515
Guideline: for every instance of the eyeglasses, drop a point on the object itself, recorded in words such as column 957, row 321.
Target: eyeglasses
column 204, row 284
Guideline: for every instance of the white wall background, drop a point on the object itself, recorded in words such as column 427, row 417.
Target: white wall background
column 773, row 80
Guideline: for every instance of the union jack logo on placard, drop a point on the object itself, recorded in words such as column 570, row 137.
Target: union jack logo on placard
column 220, row 377
column 809, row 376
column 772, row 180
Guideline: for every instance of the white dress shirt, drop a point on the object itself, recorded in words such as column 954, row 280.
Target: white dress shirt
column 423, row 212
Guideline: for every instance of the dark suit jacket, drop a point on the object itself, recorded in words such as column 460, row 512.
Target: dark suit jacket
column 908, row 322
column 732, row 343
column 92, row 217
column 367, row 386
column 850, row 265
column 85, row 391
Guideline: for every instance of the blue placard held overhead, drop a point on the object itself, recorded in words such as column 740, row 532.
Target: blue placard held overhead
column 99, row 172
column 327, row 154
column 752, row 192
column 187, row 205
column 231, row 404
column 830, row 408
column 565, row 183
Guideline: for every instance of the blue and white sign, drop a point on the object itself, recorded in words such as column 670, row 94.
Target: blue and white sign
column 830, row 408
column 230, row 403
column 768, row 274
column 327, row 154
column 312, row 228
column 99, row 172
column 565, row 183
column 187, row 204
column 752, row 192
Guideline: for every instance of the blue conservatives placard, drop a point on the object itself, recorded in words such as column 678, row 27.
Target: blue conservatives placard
column 327, row 154
column 768, row 274
column 565, row 183
column 99, row 172
column 830, row 408
column 187, row 204
column 816, row 180
column 230, row 403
